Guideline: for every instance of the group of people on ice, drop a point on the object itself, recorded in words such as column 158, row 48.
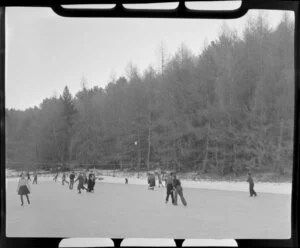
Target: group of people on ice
column 84, row 182
column 172, row 184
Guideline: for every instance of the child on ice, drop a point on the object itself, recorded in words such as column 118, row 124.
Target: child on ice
column 251, row 185
column 23, row 188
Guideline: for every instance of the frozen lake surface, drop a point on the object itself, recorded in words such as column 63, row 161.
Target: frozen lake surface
column 118, row 211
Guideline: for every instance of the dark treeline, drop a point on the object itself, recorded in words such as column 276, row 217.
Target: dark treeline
column 227, row 110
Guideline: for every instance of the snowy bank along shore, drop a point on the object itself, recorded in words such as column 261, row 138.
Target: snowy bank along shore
column 119, row 177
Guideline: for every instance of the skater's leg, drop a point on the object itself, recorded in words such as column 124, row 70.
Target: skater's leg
column 180, row 192
column 21, row 196
column 175, row 196
column 27, row 198
column 172, row 197
column 254, row 192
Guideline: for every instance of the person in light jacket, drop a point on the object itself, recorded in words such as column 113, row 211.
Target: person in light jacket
column 23, row 188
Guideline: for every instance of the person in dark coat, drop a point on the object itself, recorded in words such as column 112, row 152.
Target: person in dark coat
column 251, row 185
column 72, row 178
column 126, row 180
column 178, row 191
column 169, row 186
column 28, row 176
column 151, row 181
column 34, row 178
column 91, row 182
column 23, row 188
column 80, row 185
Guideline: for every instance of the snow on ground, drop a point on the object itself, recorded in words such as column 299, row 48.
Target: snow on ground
column 117, row 210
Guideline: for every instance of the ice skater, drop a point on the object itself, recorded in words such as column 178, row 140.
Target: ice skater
column 28, row 176
column 169, row 186
column 23, row 188
column 34, row 178
column 64, row 179
column 72, row 178
column 91, row 183
column 177, row 189
column 55, row 177
column 159, row 180
column 251, row 185
column 80, row 185
column 151, row 181
column 126, row 180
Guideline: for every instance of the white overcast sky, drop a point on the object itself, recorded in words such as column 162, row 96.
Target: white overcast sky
column 45, row 52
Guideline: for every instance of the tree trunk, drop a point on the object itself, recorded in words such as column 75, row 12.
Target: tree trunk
column 206, row 154
column 277, row 162
column 56, row 142
column 217, row 162
column 149, row 136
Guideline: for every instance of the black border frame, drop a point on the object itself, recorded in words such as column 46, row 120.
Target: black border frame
column 180, row 12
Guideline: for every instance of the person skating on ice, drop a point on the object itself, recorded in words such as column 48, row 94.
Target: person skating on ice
column 34, row 178
column 159, row 177
column 151, row 181
column 72, row 178
column 169, row 186
column 91, row 182
column 23, row 188
column 28, row 176
column 64, row 179
column 55, row 177
column 251, row 185
column 177, row 189
column 80, row 185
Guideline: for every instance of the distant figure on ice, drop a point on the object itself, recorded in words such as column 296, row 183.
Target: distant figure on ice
column 178, row 191
column 28, row 176
column 159, row 179
column 55, row 177
column 72, row 178
column 126, row 180
column 64, row 179
column 80, row 180
column 23, row 188
column 151, row 181
column 164, row 179
column 251, row 185
column 169, row 182
column 91, row 182
column 34, row 178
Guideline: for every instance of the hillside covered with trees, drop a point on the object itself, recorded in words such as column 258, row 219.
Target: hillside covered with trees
column 226, row 110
